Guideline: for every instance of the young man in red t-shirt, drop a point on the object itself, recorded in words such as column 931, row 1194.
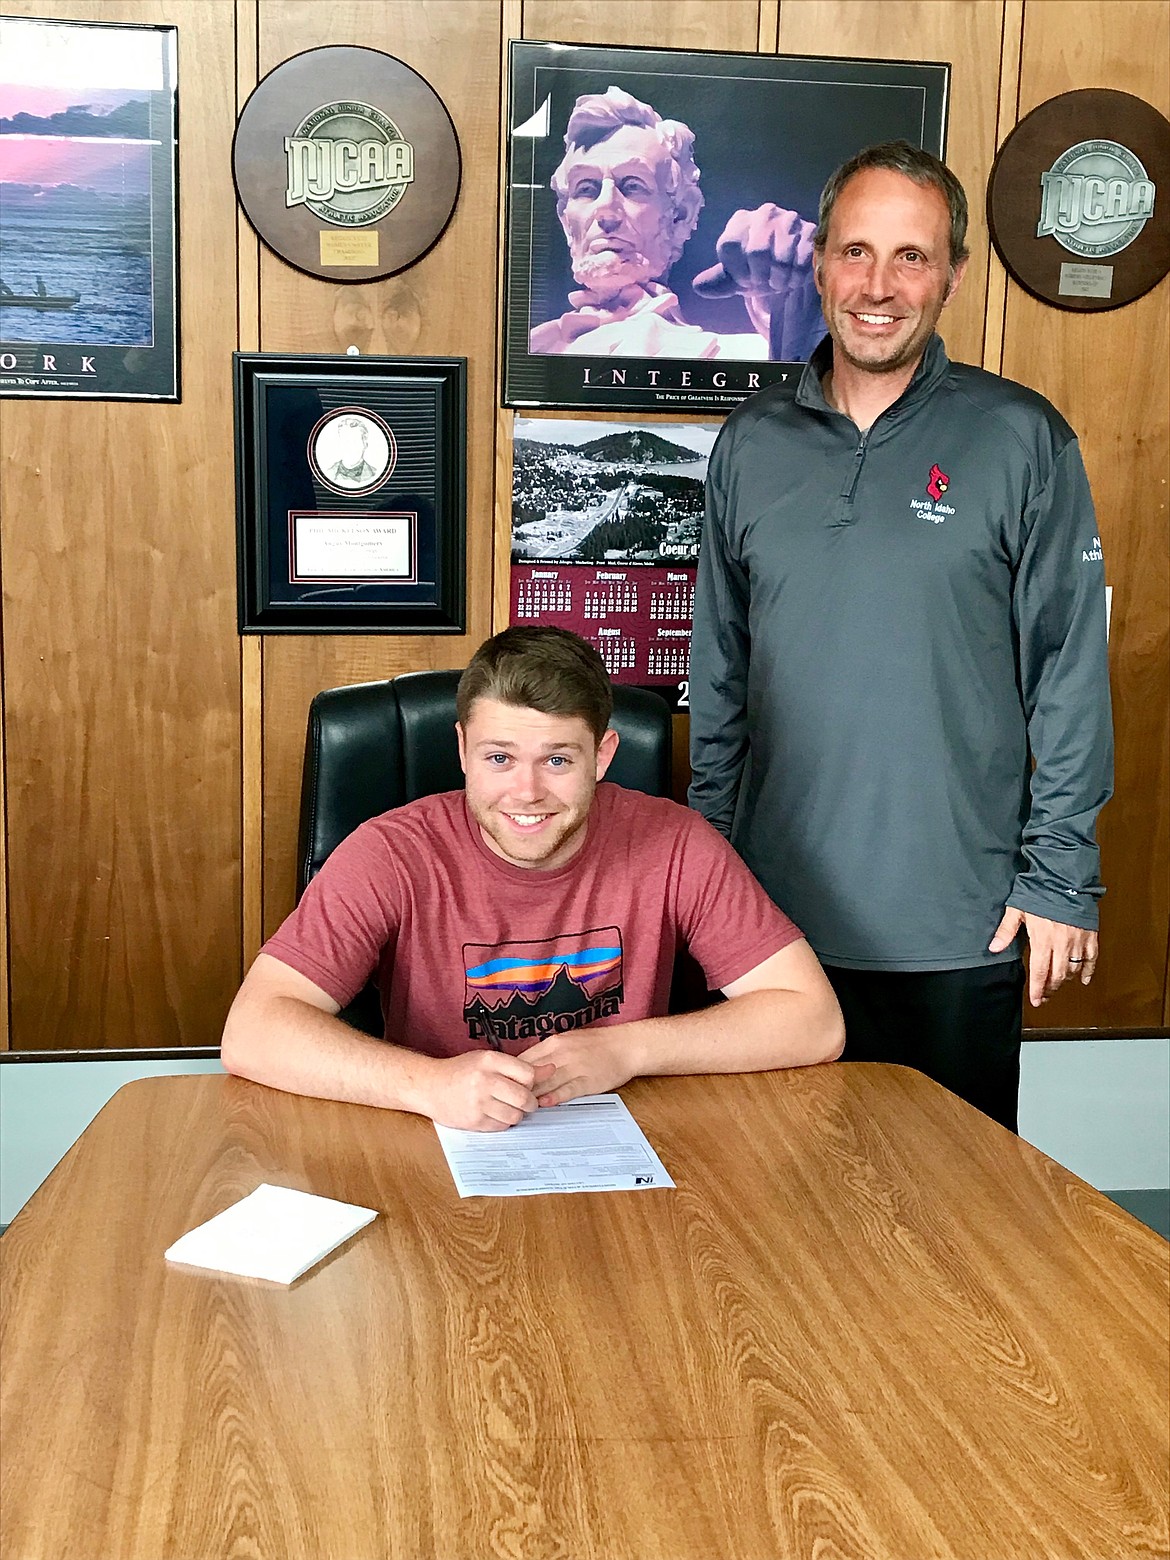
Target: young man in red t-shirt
column 523, row 931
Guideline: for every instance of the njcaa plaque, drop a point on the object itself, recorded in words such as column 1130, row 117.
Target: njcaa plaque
column 1077, row 200
column 346, row 163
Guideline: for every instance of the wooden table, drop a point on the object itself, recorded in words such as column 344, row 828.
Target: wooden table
column 868, row 1325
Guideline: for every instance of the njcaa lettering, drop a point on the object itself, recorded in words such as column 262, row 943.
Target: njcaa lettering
column 348, row 164
column 1071, row 200
column 537, row 1026
column 1095, row 199
column 319, row 168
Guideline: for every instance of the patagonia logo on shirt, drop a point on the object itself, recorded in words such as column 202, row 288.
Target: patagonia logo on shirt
column 527, row 990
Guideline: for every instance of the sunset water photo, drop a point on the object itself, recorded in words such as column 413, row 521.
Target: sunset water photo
column 85, row 251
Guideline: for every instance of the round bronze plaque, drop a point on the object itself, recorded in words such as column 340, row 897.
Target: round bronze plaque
column 1078, row 202
column 346, row 163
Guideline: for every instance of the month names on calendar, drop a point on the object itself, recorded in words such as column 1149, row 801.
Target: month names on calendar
column 639, row 618
column 619, row 652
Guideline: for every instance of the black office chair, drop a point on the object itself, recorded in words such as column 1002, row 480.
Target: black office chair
column 377, row 745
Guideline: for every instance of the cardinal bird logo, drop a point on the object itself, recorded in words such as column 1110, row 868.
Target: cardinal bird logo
column 938, row 484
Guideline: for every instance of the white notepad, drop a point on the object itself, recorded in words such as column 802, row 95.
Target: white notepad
column 273, row 1233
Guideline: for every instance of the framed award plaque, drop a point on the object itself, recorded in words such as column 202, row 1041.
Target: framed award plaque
column 350, row 494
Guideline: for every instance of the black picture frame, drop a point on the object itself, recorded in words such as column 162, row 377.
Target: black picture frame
column 351, row 510
column 767, row 128
column 89, row 251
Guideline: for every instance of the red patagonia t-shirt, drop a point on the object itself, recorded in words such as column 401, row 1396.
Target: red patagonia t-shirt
column 470, row 951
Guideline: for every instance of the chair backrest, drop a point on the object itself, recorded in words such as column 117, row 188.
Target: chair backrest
column 377, row 745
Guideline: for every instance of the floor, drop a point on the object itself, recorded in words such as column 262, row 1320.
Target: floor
column 1151, row 1206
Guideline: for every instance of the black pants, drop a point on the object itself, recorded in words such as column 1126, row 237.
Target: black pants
column 959, row 1027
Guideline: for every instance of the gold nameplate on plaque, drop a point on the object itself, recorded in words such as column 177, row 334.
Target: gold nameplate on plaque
column 349, row 248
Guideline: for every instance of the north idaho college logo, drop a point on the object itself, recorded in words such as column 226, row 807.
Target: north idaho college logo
column 932, row 507
column 938, row 483
column 348, row 163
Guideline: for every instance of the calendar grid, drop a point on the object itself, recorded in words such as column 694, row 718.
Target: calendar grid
column 638, row 618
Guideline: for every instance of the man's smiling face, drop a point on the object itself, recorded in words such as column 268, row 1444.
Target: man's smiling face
column 530, row 780
column 885, row 274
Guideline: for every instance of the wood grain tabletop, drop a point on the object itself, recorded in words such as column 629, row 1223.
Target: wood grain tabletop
column 868, row 1324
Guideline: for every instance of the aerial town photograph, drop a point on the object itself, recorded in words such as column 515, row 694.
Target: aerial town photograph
column 608, row 492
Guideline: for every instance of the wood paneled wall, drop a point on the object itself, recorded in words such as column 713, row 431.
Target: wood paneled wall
column 151, row 761
column 1108, row 373
column 121, row 661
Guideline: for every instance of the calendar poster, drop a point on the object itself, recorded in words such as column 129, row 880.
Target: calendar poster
column 606, row 518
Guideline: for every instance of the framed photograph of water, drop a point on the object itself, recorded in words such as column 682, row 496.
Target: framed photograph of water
column 89, row 300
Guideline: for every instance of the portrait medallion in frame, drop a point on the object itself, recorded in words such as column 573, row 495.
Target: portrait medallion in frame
column 350, row 494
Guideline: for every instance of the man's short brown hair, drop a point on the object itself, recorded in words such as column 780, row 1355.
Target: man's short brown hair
column 914, row 163
column 538, row 667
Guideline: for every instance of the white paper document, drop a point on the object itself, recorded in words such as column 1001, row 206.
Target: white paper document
column 273, row 1233
column 591, row 1144
column 348, row 547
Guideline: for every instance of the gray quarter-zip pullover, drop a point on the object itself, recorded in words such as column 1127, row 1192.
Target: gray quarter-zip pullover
column 886, row 626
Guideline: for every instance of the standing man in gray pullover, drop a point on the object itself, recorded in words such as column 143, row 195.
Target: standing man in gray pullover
column 900, row 609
